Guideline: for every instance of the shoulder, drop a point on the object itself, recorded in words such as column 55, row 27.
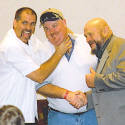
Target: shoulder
column 118, row 41
column 9, row 42
column 116, row 46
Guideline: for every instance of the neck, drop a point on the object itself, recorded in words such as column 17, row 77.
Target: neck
column 108, row 37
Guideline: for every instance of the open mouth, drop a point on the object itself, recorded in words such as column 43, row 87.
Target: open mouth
column 26, row 34
column 92, row 44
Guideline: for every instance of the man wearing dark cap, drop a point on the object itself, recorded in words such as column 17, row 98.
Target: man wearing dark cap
column 20, row 65
column 67, row 93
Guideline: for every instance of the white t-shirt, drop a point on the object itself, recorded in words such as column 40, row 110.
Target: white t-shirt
column 71, row 75
column 18, row 59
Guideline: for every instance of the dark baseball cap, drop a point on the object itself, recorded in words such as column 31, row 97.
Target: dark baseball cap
column 51, row 14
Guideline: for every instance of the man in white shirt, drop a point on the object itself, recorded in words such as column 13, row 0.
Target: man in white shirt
column 20, row 67
column 69, row 75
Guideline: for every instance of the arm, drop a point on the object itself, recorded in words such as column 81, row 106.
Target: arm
column 115, row 79
column 46, row 68
column 77, row 99
column 52, row 91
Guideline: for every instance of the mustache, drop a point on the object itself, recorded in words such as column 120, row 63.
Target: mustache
column 55, row 33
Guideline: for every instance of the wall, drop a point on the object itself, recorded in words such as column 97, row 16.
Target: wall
column 77, row 12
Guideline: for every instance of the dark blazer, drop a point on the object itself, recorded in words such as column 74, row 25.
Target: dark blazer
column 109, row 92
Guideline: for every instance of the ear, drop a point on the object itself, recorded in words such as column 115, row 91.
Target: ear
column 14, row 23
column 105, row 31
column 64, row 21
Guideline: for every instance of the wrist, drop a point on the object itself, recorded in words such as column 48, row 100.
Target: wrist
column 88, row 92
column 59, row 54
column 66, row 94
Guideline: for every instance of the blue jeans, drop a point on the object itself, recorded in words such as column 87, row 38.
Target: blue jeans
column 59, row 118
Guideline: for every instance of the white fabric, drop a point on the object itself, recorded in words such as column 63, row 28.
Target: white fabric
column 71, row 75
column 18, row 59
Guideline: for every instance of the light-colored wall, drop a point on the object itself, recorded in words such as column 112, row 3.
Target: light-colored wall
column 77, row 12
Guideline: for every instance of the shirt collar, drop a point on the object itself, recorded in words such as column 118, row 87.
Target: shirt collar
column 68, row 54
column 102, row 49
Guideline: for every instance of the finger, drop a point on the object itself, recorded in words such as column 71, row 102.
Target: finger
column 83, row 98
column 74, row 104
column 66, row 40
column 77, row 105
column 77, row 92
column 85, row 102
column 87, row 79
column 69, row 44
column 92, row 70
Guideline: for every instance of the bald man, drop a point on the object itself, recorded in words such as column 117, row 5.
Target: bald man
column 108, row 82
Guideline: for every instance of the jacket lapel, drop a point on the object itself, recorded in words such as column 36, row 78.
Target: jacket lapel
column 105, row 56
column 102, row 61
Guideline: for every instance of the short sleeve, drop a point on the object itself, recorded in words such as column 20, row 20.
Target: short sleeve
column 41, row 85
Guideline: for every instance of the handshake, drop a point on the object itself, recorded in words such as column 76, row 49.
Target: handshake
column 76, row 99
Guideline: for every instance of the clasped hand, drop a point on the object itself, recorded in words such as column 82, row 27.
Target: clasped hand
column 77, row 99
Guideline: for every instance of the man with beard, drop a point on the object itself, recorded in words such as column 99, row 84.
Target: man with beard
column 108, row 82
column 67, row 100
column 20, row 64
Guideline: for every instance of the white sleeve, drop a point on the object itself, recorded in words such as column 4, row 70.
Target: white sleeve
column 37, row 86
column 21, row 61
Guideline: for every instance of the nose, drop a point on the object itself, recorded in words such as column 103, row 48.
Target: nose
column 28, row 27
column 51, row 30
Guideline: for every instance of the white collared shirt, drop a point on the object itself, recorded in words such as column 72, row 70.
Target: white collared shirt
column 18, row 59
column 71, row 74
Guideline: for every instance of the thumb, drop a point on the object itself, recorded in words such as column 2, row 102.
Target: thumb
column 77, row 92
column 92, row 70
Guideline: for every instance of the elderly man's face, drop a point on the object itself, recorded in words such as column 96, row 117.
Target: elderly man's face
column 56, row 31
column 94, row 38
column 25, row 26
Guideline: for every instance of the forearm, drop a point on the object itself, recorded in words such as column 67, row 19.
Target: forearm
column 52, row 91
column 46, row 68
column 113, row 80
column 77, row 99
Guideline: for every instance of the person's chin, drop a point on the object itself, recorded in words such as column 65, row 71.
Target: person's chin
column 93, row 52
column 58, row 43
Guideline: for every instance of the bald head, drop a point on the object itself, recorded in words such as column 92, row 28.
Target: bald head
column 97, row 23
column 97, row 31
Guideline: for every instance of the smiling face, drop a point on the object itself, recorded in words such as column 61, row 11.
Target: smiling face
column 56, row 31
column 25, row 26
column 97, row 32
column 94, row 38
